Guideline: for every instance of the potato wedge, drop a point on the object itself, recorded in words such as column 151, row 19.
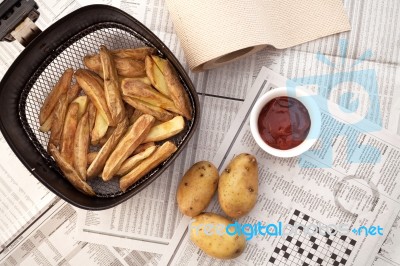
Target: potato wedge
column 51, row 100
column 46, row 127
column 166, row 129
column 73, row 92
column 160, row 154
column 81, row 146
column 176, row 91
column 129, row 110
column 136, row 114
column 111, row 86
column 141, row 91
column 91, row 156
column 70, row 173
column 138, row 54
column 125, row 67
column 129, row 68
column 156, row 76
column 92, row 115
column 82, row 101
column 143, row 147
column 133, row 137
column 93, row 62
column 57, row 124
column 99, row 129
column 108, row 134
column 99, row 78
column 96, row 167
column 144, row 80
column 68, row 133
column 131, row 162
column 157, row 112
column 95, row 92
column 134, row 53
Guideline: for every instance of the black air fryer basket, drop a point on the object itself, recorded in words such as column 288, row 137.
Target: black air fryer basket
column 34, row 73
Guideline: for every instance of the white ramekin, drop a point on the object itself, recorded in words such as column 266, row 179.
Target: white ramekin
column 315, row 116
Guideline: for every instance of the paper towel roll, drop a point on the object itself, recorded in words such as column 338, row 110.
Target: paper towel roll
column 214, row 33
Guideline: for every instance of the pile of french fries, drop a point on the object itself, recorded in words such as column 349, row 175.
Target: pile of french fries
column 116, row 119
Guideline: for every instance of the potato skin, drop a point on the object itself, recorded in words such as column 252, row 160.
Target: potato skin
column 197, row 188
column 238, row 186
column 216, row 242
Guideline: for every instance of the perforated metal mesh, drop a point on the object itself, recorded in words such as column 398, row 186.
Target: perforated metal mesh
column 70, row 54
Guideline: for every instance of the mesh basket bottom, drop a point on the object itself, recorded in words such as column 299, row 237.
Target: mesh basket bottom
column 70, row 54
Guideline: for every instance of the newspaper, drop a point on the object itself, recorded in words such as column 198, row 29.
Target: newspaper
column 50, row 241
column 221, row 92
column 287, row 187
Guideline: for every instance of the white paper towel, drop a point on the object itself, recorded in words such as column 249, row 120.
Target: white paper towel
column 213, row 33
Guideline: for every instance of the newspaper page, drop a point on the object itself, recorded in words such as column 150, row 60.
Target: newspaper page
column 23, row 197
column 230, row 83
column 50, row 241
column 291, row 189
column 225, row 88
column 148, row 221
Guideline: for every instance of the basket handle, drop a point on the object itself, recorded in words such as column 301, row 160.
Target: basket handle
column 17, row 21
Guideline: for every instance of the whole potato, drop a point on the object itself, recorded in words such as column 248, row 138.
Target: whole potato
column 238, row 186
column 208, row 232
column 197, row 188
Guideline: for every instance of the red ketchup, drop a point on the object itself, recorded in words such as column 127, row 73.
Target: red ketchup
column 284, row 123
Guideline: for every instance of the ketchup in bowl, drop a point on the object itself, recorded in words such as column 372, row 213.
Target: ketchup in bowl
column 284, row 123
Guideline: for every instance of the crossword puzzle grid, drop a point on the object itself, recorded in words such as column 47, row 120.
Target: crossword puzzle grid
column 319, row 248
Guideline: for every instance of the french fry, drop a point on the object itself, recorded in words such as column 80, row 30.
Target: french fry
column 91, row 156
column 92, row 115
column 176, row 91
column 82, row 101
column 129, row 68
column 125, row 67
column 161, row 154
column 70, row 173
column 129, row 110
column 146, row 93
column 99, row 129
column 93, row 62
column 157, row 112
column 95, row 92
column 143, row 147
column 108, row 134
column 139, row 54
column 73, row 92
column 99, row 77
column 136, row 114
column 57, row 124
column 81, row 146
column 46, row 127
column 111, row 86
column 166, row 129
column 96, row 167
column 144, row 80
column 131, row 162
column 134, row 53
column 156, row 76
column 68, row 133
column 133, row 137
column 51, row 100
